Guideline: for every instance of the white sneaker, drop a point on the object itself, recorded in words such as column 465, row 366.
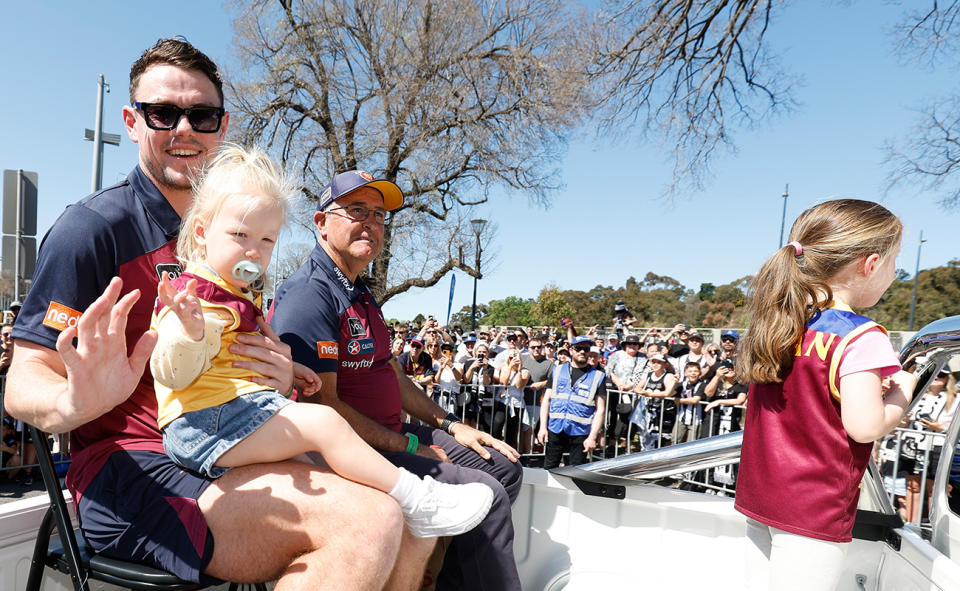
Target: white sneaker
column 448, row 509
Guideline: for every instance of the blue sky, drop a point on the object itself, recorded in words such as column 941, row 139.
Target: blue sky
column 608, row 222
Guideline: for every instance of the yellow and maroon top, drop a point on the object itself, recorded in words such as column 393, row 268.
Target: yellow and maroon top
column 193, row 376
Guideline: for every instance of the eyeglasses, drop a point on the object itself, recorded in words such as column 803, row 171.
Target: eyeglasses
column 582, row 349
column 165, row 117
column 360, row 214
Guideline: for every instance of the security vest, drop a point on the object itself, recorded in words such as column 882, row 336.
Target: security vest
column 573, row 405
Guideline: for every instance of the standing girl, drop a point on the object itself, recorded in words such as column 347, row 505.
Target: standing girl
column 825, row 383
column 215, row 415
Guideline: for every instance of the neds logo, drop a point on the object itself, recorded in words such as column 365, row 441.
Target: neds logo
column 328, row 350
column 60, row 317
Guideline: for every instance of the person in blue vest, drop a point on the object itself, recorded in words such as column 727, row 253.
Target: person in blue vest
column 572, row 411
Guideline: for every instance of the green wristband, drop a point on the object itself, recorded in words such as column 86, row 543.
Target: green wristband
column 413, row 442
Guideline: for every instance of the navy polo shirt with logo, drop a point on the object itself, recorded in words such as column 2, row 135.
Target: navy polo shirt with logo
column 333, row 324
column 128, row 230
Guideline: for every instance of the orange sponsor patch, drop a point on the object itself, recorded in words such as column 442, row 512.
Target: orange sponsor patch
column 328, row 350
column 60, row 317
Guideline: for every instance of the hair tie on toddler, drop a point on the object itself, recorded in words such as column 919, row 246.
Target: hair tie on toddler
column 797, row 249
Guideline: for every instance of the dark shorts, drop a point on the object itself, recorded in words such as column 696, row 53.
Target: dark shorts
column 143, row 507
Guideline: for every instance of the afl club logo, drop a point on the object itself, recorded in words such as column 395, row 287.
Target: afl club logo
column 366, row 175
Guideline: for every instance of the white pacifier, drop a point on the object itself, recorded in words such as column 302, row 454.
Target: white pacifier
column 247, row 271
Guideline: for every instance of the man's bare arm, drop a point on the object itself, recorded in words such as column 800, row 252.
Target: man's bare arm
column 60, row 390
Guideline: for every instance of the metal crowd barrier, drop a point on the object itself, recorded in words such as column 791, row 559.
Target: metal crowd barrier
column 487, row 409
column 907, row 458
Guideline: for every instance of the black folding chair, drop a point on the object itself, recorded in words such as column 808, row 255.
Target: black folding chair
column 71, row 555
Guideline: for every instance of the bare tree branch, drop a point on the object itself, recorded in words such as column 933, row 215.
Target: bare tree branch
column 447, row 98
column 681, row 69
column 929, row 156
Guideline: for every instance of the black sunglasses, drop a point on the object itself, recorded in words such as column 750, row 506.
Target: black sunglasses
column 728, row 339
column 164, row 117
column 582, row 349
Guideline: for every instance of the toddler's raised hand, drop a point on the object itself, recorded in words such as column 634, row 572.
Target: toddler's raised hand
column 184, row 304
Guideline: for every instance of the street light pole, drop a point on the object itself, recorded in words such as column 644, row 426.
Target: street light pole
column 478, row 226
column 98, row 137
column 916, row 273
column 783, row 217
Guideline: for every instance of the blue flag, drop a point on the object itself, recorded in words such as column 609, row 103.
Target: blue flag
column 453, row 283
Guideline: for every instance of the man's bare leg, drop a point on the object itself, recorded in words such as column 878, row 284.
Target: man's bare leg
column 304, row 526
column 411, row 562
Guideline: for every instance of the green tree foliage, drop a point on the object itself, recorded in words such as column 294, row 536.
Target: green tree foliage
column 550, row 307
column 463, row 316
column 938, row 296
column 510, row 311
column 706, row 291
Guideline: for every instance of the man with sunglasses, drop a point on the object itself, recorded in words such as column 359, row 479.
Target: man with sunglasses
column 417, row 363
column 104, row 257
column 573, row 407
column 729, row 339
column 333, row 325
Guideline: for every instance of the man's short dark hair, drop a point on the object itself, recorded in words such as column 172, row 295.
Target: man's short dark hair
column 175, row 52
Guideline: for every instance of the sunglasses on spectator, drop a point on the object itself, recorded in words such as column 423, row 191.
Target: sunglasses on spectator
column 728, row 339
column 163, row 117
column 358, row 213
column 415, row 346
column 511, row 337
column 536, row 346
column 582, row 348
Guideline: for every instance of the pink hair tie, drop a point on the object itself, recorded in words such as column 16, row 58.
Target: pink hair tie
column 797, row 249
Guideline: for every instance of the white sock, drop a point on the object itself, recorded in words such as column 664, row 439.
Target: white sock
column 407, row 491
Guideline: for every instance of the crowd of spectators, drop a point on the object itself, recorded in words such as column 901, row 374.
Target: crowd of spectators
column 16, row 447
column 662, row 385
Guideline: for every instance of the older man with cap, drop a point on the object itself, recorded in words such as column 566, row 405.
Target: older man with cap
column 334, row 326
column 572, row 410
column 613, row 345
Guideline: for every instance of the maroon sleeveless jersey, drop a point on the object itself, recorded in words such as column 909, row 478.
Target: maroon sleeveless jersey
column 799, row 471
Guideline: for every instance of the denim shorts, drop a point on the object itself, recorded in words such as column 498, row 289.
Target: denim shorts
column 197, row 439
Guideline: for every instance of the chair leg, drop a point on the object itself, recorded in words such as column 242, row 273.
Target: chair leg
column 38, row 563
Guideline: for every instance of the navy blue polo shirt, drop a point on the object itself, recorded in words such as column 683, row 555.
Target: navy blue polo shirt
column 128, row 230
column 333, row 324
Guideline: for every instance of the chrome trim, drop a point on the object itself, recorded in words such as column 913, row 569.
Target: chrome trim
column 666, row 461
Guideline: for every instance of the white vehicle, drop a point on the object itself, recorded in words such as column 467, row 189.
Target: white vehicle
column 606, row 526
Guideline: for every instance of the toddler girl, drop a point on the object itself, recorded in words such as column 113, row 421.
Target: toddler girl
column 215, row 416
